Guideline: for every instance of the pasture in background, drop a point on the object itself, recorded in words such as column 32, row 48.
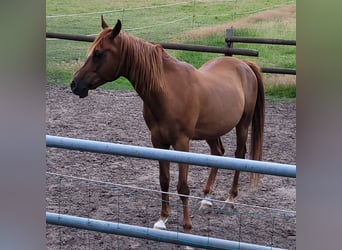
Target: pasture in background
column 192, row 22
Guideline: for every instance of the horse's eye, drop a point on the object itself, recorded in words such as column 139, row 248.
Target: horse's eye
column 97, row 54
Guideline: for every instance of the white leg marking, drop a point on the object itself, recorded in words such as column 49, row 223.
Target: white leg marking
column 206, row 204
column 160, row 224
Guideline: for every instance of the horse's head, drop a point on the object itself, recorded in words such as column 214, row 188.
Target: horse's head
column 102, row 63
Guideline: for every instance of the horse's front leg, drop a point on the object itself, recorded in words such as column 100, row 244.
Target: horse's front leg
column 164, row 180
column 184, row 191
column 182, row 187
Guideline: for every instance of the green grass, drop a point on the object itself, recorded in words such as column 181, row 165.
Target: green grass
column 283, row 91
column 63, row 57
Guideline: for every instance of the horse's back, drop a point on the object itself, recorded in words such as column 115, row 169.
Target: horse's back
column 225, row 65
column 230, row 73
column 226, row 75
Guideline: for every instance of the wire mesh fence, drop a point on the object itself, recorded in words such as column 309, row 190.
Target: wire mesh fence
column 140, row 206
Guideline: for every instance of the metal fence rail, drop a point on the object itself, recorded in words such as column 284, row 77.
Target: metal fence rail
column 270, row 168
column 245, row 165
column 149, row 233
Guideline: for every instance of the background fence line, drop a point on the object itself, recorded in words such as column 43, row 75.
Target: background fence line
column 194, row 14
column 181, row 21
column 163, row 6
column 261, row 40
column 175, row 46
column 202, row 48
column 230, row 39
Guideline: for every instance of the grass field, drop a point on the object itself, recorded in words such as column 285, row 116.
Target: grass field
column 192, row 22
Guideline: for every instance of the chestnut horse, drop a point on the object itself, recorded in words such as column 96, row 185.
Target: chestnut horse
column 181, row 103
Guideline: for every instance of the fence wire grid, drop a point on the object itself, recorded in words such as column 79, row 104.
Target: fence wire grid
column 140, row 206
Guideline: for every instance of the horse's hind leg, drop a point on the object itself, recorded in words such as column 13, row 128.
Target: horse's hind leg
column 241, row 140
column 216, row 148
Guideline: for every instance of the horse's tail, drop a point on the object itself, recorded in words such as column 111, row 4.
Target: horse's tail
column 257, row 123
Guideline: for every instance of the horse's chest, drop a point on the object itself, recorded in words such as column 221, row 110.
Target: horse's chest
column 167, row 133
column 160, row 127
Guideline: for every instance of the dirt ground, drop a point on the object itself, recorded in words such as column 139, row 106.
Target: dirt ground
column 124, row 189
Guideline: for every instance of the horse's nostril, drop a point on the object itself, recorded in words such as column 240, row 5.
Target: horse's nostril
column 73, row 85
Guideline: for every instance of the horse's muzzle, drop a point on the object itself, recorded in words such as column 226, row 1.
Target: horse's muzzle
column 78, row 90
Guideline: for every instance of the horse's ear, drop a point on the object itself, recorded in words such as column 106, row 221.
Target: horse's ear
column 103, row 23
column 116, row 29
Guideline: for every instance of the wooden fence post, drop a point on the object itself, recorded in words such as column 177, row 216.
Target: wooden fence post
column 229, row 44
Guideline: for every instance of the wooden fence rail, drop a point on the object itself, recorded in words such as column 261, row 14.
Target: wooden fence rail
column 230, row 39
column 175, row 46
column 261, row 40
column 228, row 50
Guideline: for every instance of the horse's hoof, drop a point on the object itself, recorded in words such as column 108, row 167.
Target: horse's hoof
column 206, row 206
column 229, row 205
column 160, row 224
column 231, row 199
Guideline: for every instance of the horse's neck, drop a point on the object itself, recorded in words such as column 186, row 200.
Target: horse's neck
column 143, row 68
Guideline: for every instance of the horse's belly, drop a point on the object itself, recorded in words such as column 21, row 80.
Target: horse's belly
column 213, row 129
column 219, row 117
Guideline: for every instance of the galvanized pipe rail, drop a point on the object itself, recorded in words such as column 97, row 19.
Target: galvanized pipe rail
column 165, row 155
column 245, row 165
column 149, row 233
column 174, row 46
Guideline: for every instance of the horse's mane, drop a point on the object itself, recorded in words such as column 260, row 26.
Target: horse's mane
column 143, row 63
